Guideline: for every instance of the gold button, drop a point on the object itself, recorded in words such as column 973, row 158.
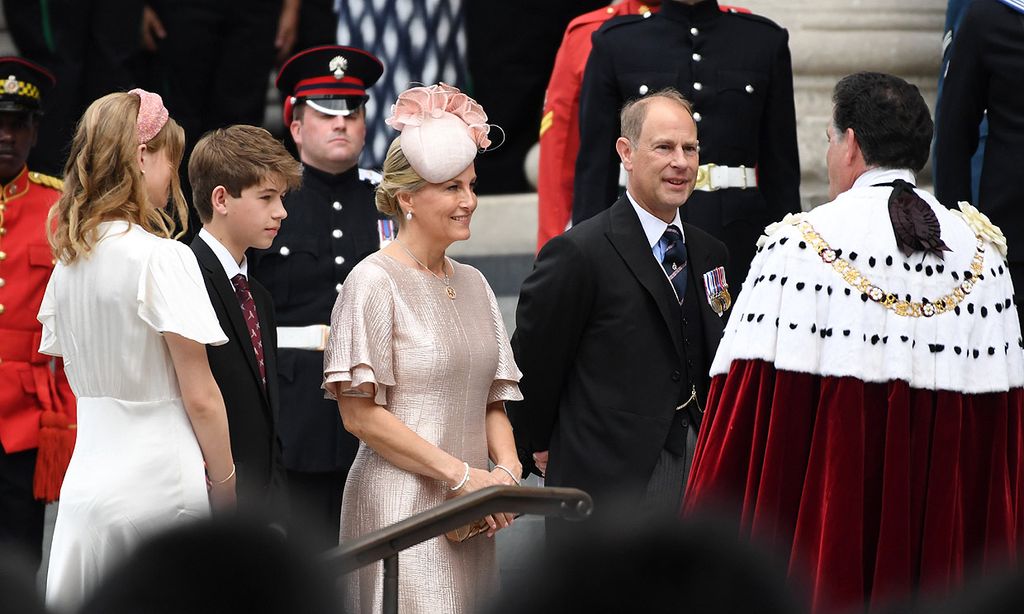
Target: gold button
column 3, row 256
column 1, row 310
column 2, row 282
column 3, row 231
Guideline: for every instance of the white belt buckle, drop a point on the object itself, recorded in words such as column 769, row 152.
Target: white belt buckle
column 712, row 177
column 313, row 337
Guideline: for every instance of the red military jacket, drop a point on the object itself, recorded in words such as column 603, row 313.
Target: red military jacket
column 560, row 125
column 30, row 382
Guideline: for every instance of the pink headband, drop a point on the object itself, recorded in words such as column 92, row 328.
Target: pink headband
column 152, row 115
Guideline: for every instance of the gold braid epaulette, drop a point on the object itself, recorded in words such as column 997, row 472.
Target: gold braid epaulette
column 46, row 180
column 914, row 309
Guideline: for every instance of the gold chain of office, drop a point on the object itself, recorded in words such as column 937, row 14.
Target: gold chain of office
column 913, row 309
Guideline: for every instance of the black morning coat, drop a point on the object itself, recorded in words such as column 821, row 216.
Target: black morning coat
column 251, row 409
column 735, row 69
column 600, row 342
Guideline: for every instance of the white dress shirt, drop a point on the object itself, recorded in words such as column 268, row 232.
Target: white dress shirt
column 231, row 268
column 655, row 228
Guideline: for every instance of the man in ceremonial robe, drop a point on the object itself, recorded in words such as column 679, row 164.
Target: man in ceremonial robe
column 865, row 411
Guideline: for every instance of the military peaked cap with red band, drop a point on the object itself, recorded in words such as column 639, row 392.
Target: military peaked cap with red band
column 332, row 79
column 23, row 84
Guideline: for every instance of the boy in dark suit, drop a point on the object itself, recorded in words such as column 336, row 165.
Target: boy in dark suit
column 238, row 176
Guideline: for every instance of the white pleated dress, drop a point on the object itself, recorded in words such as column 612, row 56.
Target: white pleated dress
column 137, row 468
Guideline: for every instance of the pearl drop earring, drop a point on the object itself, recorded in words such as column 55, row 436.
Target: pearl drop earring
column 408, row 215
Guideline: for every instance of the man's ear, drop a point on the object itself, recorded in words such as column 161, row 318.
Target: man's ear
column 625, row 150
column 295, row 128
column 219, row 200
column 853, row 151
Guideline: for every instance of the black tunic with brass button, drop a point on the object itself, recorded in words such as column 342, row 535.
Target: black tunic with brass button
column 735, row 69
column 331, row 226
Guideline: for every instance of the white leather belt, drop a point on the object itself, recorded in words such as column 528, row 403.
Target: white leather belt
column 313, row 337
column 711, row 177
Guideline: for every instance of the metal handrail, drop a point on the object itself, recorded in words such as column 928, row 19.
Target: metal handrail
column 386, row 543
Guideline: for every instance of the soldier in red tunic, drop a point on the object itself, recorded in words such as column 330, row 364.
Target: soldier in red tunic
column 37, row 408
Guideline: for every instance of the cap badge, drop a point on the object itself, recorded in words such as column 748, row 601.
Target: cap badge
column 338, row 66
column 11, row 85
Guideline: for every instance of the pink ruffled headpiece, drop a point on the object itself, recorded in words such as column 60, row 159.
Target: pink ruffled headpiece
column 152, row 115
column 442, row 130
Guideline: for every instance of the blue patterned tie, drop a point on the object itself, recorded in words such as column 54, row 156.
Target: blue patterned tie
column 674, row 260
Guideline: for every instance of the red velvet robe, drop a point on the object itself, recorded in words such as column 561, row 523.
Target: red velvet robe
column 881, row 455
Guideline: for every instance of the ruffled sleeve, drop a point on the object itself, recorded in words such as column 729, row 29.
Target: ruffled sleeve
column 172, row 296
column 49, row 344
column 505, row 386
column 359, row 348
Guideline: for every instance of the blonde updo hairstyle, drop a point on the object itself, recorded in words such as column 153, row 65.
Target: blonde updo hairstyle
column 103, row 180
column 398, row 176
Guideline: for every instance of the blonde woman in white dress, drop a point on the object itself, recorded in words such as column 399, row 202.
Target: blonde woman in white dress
column 127, row 309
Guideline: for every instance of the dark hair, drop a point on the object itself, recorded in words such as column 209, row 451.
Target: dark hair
column 237, row 157
column 889, row 117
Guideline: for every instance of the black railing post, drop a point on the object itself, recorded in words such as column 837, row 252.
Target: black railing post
column 391, row 584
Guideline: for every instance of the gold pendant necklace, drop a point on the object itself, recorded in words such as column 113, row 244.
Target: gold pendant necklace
column 447, row 281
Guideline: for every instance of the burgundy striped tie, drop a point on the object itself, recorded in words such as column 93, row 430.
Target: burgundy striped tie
column 241, row 284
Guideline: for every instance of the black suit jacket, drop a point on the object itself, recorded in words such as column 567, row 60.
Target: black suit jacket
column 741, row 88
column 600, row 343
column 252, row 410
column 986, row 72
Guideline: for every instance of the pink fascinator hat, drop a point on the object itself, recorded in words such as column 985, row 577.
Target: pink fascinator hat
column 442, row 130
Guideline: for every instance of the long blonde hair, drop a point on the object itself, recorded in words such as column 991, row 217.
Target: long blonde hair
column 103, row 181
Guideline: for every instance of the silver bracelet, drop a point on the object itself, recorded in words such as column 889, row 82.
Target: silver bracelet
column 509, row 472
column 465, row 478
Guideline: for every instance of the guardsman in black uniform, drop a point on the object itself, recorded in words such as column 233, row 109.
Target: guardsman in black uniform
column 735, row 68
column 332, row 224
column 985, row 78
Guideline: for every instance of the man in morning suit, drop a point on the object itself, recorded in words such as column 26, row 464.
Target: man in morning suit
column 615, row 329
column 333, row 224
column 238, row 176
column 735, row 68
column 985, row 78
